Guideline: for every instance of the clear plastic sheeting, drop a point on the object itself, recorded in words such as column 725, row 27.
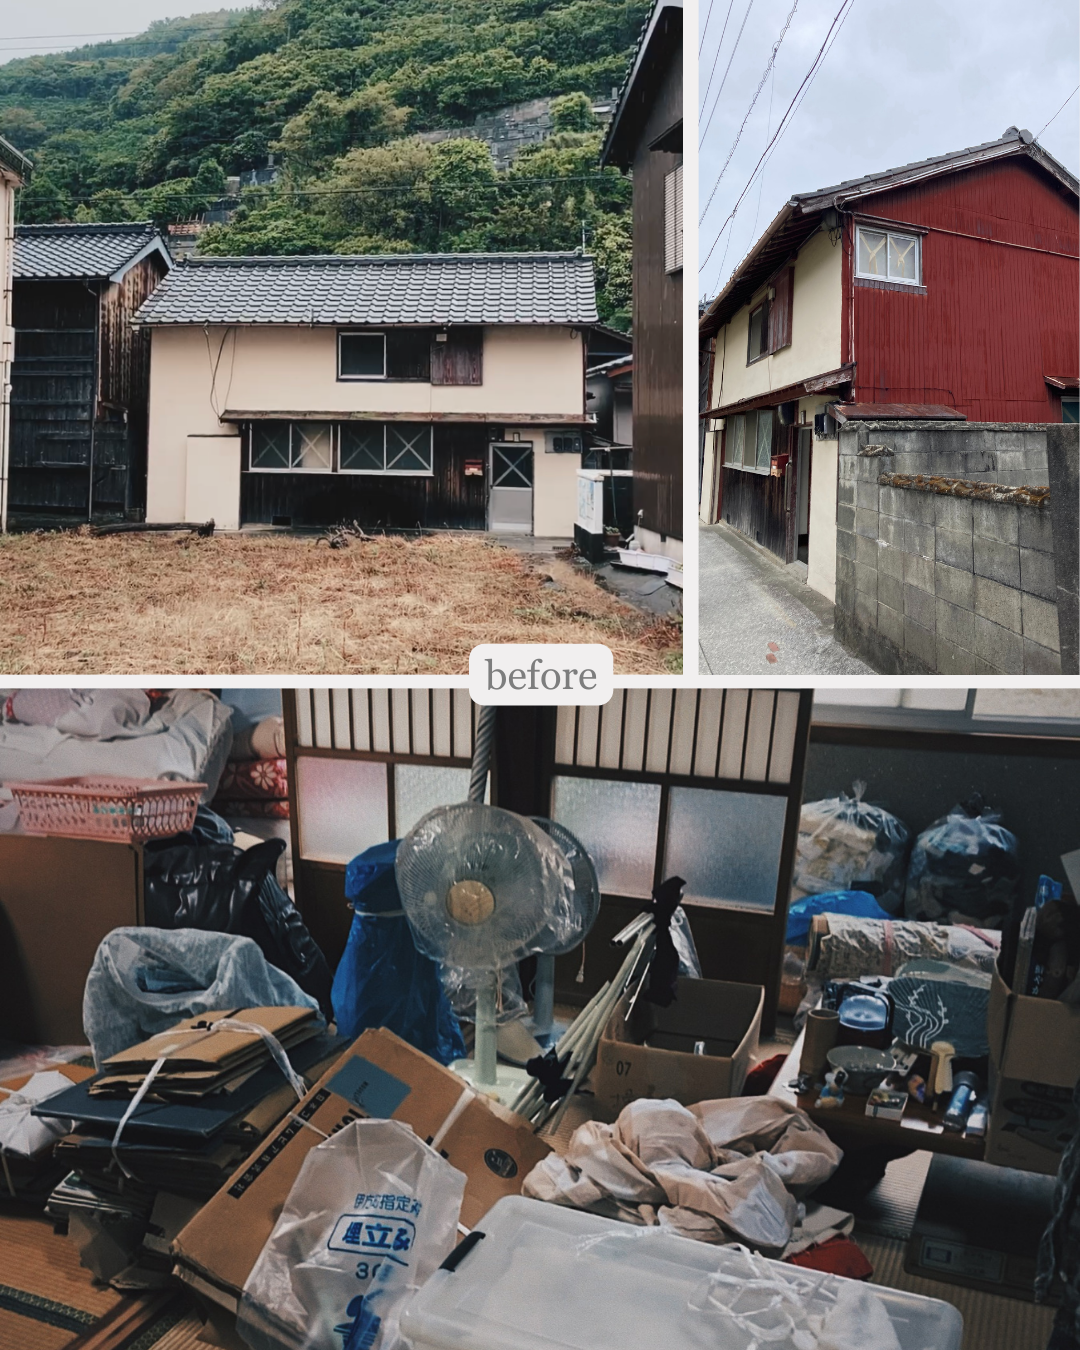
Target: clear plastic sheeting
column 964, row 869
column 371, row 1216
column 145, row 980
column 480, row 885
column 847, row 844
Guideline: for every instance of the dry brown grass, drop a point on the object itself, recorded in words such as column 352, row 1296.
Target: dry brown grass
column 167, row 604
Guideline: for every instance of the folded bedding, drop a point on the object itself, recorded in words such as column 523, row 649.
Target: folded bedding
column 186, row 739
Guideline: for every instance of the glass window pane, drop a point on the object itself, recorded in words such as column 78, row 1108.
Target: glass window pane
column 903, row 257
column 408, row 447
column 871, row 253
column 757, row 331
column 270, row 445
column 362, row 447
column 1048, row 704
column 420, row 788
column 342, row 806
column 735, row 438
column 617, row 823
column 312, row 446
column 726, row 845
column 362, row 354
column 764, row 439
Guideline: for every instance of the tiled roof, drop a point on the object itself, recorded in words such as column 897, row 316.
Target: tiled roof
column 419, row 288
column 15, row 160
column 60, row 251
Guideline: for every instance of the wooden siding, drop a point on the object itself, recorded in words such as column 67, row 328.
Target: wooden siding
column 80, row 393
column 994, row 320
column 447, row 500
column 658, row 420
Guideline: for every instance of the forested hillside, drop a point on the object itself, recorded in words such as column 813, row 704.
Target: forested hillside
column 337, row 90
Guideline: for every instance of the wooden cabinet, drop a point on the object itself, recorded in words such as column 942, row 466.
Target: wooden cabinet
column 58, row 899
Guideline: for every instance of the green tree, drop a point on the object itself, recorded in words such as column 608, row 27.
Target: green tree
column 330, row 126
column 21, row 128
column 573, row 112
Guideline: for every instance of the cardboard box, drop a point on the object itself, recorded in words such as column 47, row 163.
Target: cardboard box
column 379, row 1076
column 1034, row 1065
column 653, row 1055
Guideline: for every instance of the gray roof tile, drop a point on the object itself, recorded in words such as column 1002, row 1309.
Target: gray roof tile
column 418, row 288
column 60, row 251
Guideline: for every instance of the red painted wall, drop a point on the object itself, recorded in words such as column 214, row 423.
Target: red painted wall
column 994, row 320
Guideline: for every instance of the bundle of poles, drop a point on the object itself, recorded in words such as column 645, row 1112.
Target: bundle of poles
column 579, row 1042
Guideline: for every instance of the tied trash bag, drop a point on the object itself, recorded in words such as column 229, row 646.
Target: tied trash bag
column 145, row 980
column 847, row 844
column 382, row 980
column 964, row 869
column 371, row 1216
column 202, row 880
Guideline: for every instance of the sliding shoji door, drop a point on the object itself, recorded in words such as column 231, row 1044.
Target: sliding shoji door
column 364, row 766
column 704, row 784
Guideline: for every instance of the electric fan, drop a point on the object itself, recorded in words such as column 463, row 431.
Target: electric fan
column 479, row 886
column 578, row 913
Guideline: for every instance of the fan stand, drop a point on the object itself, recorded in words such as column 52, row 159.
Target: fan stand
column 542, row 1023
column 484, row 1072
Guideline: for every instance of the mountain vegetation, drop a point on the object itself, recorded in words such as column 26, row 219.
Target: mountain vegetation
column 341, row 93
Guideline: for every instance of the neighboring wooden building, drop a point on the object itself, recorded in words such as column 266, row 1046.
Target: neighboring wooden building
column 645, row 137
column 944, row 289
column 15, row 170
column 439, row 391
column 81, row 374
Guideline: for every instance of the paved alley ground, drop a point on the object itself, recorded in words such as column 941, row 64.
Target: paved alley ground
column 758, row 618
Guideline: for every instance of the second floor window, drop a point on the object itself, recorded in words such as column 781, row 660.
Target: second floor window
column 885, row 255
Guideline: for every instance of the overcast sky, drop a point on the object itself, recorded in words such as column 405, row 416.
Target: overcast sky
column 54, row 25
column 902, row 82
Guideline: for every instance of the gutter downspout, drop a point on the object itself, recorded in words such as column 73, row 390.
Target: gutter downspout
column 7, row 340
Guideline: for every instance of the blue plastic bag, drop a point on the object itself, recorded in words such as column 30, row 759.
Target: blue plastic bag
column 382, row 980
column 860, row 904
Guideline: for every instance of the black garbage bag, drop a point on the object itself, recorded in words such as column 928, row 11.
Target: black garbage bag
column 220, row 888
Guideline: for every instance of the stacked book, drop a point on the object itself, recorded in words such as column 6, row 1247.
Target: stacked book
column 217, row 1094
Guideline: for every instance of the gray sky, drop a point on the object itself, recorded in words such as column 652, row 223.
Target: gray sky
column 901, row 82
column 48, row 25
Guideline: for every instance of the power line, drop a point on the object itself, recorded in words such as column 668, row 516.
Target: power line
column 770, row 65
column 841, row 14
column 716, row 100
column 1059, row 111
column 716, row 55
column 705, row 29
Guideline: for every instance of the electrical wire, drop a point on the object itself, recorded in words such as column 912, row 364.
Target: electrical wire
column 834, row 27
column 705, row 29
column 769, row 67
column 1059, row 111
column 716, row 100
column 716, row 56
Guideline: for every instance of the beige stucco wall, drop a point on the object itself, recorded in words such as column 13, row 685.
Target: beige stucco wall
column 8, row 184
column 824, row 459
column 815, row 331
column 554, row 491
column 212, row 480
column 196, row 375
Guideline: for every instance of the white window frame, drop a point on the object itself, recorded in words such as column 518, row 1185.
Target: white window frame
column 909, row 713
column 750, row 438
column 385, row 471
column 673, row 220
column 915, row 281
column 360, row 332
column 291, row 468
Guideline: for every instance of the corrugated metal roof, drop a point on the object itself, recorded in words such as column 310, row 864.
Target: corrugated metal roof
column 83, row 251
column 420, row 288
column 895, row 412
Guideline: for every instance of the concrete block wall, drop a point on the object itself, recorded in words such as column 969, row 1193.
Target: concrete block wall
column 932, row 584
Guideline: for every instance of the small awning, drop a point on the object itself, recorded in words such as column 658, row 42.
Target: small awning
column 494, row 419
column 895, row 412
column 816, row 384
column 1064, row 382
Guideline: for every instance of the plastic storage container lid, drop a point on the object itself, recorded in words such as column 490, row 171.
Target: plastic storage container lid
column 549, row 1278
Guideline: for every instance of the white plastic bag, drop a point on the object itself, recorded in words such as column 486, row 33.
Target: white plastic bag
column 847, row 844
column 372, row 1215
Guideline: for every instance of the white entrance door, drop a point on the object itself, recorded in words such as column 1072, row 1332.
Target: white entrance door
column 510, row 500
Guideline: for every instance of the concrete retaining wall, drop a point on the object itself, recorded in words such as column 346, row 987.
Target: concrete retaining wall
column 942, row 584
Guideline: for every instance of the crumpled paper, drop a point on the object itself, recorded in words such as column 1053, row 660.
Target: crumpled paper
column 722, row 1171
column 23, row 1133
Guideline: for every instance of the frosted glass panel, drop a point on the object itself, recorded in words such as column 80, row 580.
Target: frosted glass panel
column 342, row 806
column 617, row 824
column 726, row 845
column 419, row 788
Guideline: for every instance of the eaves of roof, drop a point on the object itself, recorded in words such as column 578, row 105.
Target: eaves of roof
column 15, row 160
column 659, row 34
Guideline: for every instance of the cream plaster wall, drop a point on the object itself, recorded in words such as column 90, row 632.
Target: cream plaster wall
column 198, row 374
column 554, row 491
column 824, row 467
column 8, row 184
column 815, row 331
column 212, row 480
